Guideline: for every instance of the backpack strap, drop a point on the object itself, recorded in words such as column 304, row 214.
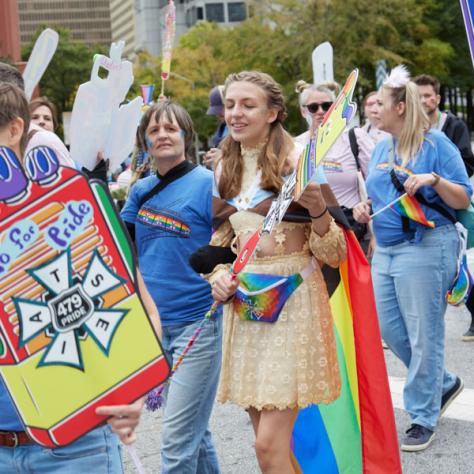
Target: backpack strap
column 354, row 146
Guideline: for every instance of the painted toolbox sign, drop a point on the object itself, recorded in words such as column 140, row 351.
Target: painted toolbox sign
column 74, row 334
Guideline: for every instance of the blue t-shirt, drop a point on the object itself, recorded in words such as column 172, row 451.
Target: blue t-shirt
column 169, row 227
column 437, row 154
column 9, row 419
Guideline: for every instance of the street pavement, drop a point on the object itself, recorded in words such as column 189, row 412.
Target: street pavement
column 450, row 453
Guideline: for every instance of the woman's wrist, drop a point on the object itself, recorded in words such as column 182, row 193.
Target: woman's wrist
column 436, row 179
column 318, row 215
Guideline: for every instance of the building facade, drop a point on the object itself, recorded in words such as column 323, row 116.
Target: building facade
column 150, row 17
column 88, row 20
column 122, row 22
column 9, row 37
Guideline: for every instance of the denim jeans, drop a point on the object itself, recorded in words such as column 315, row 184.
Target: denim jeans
column 187, row 446
column 410, row 285
column 97, row 452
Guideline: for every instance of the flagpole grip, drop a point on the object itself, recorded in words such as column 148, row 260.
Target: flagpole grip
column 388, row 205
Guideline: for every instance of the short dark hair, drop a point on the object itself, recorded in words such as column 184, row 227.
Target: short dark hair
column 171, row 109
column 12, row 75
column 13, row 104
column 38, row 102
column 427, row 80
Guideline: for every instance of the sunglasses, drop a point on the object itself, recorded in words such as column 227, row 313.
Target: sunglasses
column 314, row 106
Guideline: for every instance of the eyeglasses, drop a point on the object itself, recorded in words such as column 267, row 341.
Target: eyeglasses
column 314, row 106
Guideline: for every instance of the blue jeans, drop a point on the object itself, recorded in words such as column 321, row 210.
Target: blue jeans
column 97, row 452
column 186, row 446
column 410, row 285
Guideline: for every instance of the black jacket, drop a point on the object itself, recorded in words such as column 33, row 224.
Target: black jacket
column 456, row 130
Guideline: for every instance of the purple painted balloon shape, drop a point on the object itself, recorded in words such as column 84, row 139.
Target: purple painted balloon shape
column 42, row 164
column 13, row 181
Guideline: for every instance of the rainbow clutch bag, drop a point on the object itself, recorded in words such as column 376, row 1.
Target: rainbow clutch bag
column 261, row 297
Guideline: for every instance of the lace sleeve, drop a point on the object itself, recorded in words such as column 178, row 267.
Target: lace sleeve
column 329, row 248
column 223, row 236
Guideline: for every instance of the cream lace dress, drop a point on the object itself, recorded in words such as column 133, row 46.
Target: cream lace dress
column 292, row 362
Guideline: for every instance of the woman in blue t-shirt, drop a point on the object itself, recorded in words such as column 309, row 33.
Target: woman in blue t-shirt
column 414, row 265
column 168, row 225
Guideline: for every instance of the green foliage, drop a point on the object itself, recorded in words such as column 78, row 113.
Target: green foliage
column 427, row 35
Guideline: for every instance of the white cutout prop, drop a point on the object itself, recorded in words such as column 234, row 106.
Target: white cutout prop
column 322, row 59
column 40, row 57
column 98, row 122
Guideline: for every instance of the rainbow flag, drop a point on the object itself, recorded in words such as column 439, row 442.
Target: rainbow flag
column 356, row 433
column 147, row 92
column 409, row 207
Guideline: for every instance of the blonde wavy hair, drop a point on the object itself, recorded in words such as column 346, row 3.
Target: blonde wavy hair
column 273, row 160
column 415, row 121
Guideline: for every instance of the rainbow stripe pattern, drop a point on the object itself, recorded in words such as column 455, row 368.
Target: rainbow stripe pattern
column 333, row 166
column 459, row 292
column 356, row 433
column 147, row 92
column 334, row 123
column 306, row 167
column 467, row 9
column 409, row 207
column 163, row 222
column 261, row 297
column 337, row 118
column 399, row 169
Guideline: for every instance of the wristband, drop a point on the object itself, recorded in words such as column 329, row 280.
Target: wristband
column 319, row 215
column 437, row 177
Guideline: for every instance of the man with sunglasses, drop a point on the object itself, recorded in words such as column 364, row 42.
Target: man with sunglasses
column 348, row 157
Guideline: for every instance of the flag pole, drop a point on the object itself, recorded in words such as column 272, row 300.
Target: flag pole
column 388, row 205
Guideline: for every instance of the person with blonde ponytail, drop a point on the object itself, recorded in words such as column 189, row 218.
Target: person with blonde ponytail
column 271, row 369
column 414, row 265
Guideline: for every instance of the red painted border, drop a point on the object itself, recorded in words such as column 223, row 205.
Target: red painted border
column 81, row 422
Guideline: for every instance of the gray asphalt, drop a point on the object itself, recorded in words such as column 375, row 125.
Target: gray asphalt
column 450, row 453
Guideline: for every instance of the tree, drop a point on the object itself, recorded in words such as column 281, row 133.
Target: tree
column 426, row 35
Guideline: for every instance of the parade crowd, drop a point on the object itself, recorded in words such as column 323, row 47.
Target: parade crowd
column 406, row 145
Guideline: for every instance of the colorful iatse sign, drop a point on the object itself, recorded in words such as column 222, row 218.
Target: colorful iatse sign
column 74, row 334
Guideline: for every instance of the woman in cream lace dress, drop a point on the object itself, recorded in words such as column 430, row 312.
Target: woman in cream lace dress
column 273, row 369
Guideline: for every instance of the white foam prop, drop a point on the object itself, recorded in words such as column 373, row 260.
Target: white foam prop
column 40, row 57
column 98, row 122
column 399, row 77
column 322, row 59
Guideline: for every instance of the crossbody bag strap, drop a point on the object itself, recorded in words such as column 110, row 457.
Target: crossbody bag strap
column 437, row 207
column 354, row 147
column 398, row 185
column 165, row 181
column 421, row 199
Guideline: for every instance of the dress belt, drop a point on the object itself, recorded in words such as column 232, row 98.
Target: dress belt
column 12, row 439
